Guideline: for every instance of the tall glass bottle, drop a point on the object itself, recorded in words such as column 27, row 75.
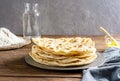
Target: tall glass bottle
column 31, row 21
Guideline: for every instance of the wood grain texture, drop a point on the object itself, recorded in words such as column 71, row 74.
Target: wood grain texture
column 65, row 17
column 37, row 79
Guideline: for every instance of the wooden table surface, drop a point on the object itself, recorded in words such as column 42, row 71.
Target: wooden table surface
column 14, row 68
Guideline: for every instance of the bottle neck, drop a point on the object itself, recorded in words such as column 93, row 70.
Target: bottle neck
column 29, row 7
column 35, row 7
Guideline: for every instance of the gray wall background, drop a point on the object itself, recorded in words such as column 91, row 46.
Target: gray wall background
column 65, row 17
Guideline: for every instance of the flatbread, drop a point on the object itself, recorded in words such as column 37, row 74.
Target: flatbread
column 44, row 54
column 64, row 62
column 63, row 52
column 63, row 46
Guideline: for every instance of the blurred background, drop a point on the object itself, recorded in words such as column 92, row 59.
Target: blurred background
column 65, row 17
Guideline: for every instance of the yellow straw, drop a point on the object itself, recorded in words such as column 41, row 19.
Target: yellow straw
column 103, row 30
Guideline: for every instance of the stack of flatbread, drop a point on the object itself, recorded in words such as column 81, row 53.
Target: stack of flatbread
column 73, row 51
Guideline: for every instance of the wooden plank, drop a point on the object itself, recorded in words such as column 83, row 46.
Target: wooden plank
column 37, row 79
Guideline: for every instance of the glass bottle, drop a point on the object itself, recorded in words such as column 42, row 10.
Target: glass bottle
column 31, row 21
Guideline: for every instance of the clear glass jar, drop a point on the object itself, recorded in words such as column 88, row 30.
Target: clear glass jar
column 110, row 43
column 31, row 21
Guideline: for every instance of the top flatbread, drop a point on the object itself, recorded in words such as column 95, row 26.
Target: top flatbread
column 63, row 46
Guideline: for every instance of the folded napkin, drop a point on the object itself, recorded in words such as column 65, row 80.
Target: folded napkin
column 109, row 71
